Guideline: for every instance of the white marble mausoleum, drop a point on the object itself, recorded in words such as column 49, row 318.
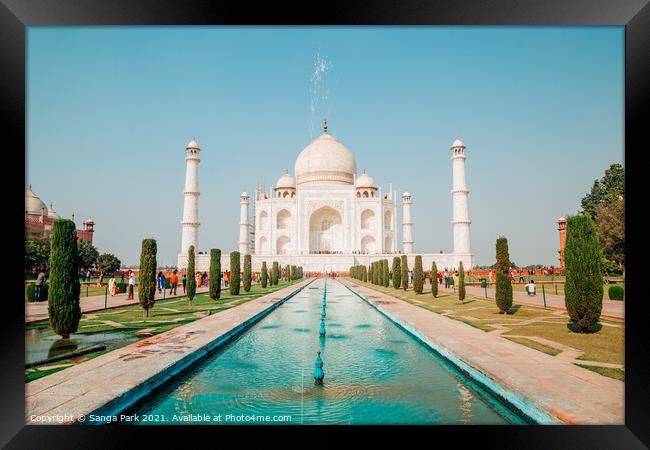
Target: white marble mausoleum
column 326, row 217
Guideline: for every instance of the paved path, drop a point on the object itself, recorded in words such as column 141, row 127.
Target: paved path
column 570, row 394
column 128, row 372
column 611, row 308
column 37, row 311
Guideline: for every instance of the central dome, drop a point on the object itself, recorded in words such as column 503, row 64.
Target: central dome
column 325, row 161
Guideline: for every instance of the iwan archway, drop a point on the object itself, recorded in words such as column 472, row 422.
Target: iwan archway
column 325, row 231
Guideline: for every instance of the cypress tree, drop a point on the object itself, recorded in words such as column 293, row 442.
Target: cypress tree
column 434, row 279
column 386, row 273
column 365, row 273
column 264, row 278
column 63, row 296
column 215, row 273
column 370, row 273
column 583, row 291
column 274, row 273
column 503, row 286
column 235, row 273
column 191, row 274
column 376, row 273
column 380, row 272
column 418, row 275
column 397, row 273
column 147, row 275
column 247, row 273
column 405, row 272
column 461, row 282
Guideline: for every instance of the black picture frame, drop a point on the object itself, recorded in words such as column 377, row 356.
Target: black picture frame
column 16, row 15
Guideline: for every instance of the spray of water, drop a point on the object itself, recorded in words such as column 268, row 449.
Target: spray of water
column 319, row 93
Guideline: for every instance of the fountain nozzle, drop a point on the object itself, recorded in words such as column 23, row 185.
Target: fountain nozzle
column 319, row 374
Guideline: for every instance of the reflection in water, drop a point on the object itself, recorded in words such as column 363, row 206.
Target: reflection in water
column 62, row 346
column 376, row 374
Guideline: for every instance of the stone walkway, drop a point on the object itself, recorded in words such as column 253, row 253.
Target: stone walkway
column 570, row 394
column 118, row 378
column 37, row 311
column 611, row 308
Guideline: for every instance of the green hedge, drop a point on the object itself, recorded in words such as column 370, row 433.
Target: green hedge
column 616, row 292
column 30, row 292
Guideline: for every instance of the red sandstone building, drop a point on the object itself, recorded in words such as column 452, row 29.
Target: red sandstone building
column 561, row 227
column 39, row 218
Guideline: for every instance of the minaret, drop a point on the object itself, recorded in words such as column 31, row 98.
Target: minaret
column 561, row 227
column 407, row 224
column 243, row 224
column 459, row 195
column 190, row 223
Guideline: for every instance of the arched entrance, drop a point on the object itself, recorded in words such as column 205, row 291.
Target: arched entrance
column 368, row 244
column 325, row 231
column 283, row 245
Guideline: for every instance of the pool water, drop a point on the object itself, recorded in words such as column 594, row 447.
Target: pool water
column 375, row 373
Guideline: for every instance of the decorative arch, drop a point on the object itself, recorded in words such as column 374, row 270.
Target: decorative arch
column 264, row 220
column 263, row 245
column 365, row 194
column 368, row 244
column 388, row 244
column 325, row 231
column 388, row 219
column 283, row 245
column 283, row 219
column 367, row 219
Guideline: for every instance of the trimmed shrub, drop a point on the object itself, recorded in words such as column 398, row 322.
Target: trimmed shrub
column 215, row 273
column 397, row 272
column 63, row 295
column 275, row 273
column 371, row 274
column 583, row 289
column 264, row 277
column 380, row 272
column 616, row 292
column 434, row 279
column 386, row 273
column 503, row 286
column 461, row 282
column 418, row 275
column 247, row 273
column 365, row 273
column 30, row 291
column 147, row 275
column 405, row 272
column 191, row 274
column 235, row 273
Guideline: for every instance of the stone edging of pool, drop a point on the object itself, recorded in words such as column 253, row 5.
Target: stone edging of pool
column 529, row 408
column 65, row 394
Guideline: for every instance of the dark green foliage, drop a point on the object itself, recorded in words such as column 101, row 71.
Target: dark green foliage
column 275, row 273
column 418, row 275
column 215, row 273
column 380, row 272
column 30, row 291
column 191, row 274
column 37, row 254
column 616, row 292
column 88, row 255
column 365, row 273
column 264, row 276
column 247, row 273
column 63, row 295
column 386, row 273
column 609, row 188
column 376, row 273
column 147, row 275
column 397, row 273
column 108, row 263
column 371, row 274
column 583, row 291
column 461, row 282
column 405, row 272
column 503, row 286
column 434, row 279
column 235, row 273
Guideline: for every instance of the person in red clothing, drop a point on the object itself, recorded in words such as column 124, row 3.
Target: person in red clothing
column 173, row 283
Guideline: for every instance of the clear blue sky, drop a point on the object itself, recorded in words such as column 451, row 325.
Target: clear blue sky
column 110, row 110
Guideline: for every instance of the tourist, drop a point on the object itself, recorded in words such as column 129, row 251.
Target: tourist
column 205, row 278
column 173, row 283
column 111, row 285
column 455, row 280
column 40, row 279
column 440, row 278
column 131, row 285
column 161, row 282
column 606, row 278
column 88, row 275
column 122, row 278
column 184, row 282
column 446, row 279
column 530, row 287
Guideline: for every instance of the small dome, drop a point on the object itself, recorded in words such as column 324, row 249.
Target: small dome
column 406, row 194
column 457, row 143
column 365, row 181
column 89, row 222
column 286, row 181
column 244, row 194
column 325, row 161
column 33, row 204
column 193, row 145
column 53, row 214
column 561, row 219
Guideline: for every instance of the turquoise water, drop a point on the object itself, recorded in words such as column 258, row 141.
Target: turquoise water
column 374, row 374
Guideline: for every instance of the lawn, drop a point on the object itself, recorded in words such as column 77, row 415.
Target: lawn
column 129, row 321
column 525, row 323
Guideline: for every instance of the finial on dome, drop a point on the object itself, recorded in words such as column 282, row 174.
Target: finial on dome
column 30, row 186
column 325, row 126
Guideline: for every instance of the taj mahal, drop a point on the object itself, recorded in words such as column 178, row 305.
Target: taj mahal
column 326, row 217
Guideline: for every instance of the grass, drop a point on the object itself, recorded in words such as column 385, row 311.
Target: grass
column 550, row 289
column 605, row 345
column 164, row 316
column 617, row 374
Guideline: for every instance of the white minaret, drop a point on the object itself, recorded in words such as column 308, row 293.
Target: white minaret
column 407, row 224
column 243, row 225
column 459, row 195
column 191, row 194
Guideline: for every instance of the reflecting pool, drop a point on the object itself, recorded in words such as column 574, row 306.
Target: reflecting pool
column 375, row 373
